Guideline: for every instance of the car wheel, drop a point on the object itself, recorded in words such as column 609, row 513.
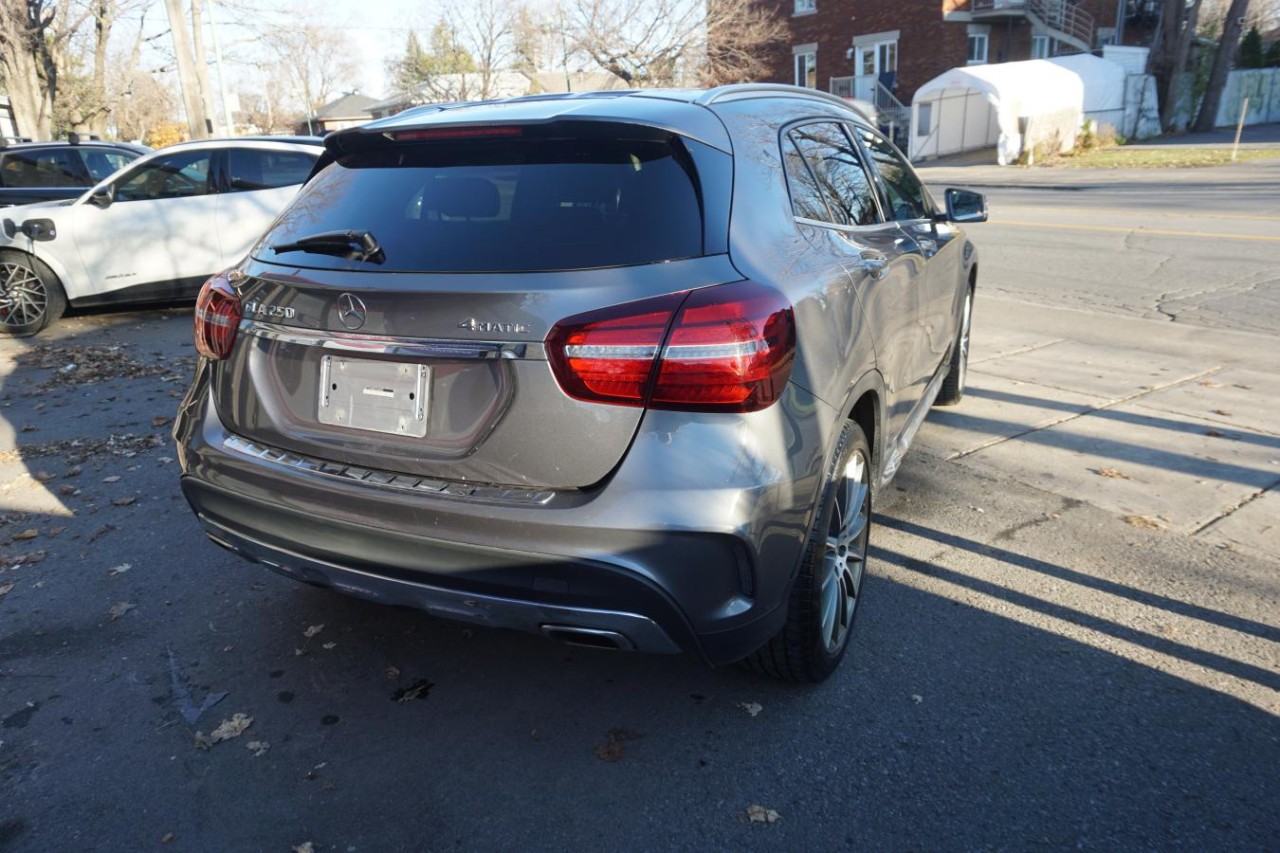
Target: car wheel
column 825, row 595
column 31, row 296
column 953, row 386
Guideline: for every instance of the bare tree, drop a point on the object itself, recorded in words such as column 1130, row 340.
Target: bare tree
column 672, row 42
column 34, row 35
column 1222, row 64
column 316, row 60
column 484, row 28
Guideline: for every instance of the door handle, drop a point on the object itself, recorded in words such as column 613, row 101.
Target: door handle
column 875, row 263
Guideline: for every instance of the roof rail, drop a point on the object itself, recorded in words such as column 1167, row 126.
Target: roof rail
column 736, row 91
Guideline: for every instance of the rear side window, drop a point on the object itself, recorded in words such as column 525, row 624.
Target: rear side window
column 838, row 170
column 530, row 204
column 250, row 169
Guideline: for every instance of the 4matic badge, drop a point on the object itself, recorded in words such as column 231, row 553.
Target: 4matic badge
column 471, row 324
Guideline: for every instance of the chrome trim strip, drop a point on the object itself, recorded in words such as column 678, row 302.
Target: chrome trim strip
column 387, row 479
column 405, row 347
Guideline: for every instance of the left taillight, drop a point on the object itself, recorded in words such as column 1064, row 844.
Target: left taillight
column 218, row 317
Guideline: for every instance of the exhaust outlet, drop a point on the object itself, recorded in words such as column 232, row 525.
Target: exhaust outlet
column 594, row 638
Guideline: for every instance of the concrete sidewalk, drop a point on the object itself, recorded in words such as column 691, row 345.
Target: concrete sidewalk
column 978, row 168
column 1165, row 425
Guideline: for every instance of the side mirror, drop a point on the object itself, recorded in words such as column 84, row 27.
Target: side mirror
column 104, row 197
column 966, row 206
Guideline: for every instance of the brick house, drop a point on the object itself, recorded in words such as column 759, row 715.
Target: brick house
column 874, row 49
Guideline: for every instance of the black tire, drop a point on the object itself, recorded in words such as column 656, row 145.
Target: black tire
column 952, row 391
column 824, row 598
column 31, row 297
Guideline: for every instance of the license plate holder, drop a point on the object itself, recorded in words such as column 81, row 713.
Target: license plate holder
column 375, row 396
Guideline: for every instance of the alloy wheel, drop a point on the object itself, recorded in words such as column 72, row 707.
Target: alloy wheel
column 845, row 555
column 23, row 299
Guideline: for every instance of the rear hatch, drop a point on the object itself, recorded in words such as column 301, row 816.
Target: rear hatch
column 415, row 343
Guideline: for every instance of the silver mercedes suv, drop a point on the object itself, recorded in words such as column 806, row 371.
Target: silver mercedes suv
column 622, row 368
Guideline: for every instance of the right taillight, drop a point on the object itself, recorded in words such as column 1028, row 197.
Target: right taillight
column 727, row 348
column 218, row 317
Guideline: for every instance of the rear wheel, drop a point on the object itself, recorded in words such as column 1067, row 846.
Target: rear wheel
column 30, row 295
column 825, row 596
column 953, row 386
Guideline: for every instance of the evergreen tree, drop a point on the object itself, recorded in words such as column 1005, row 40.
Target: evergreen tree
column 1272, row 59
column 1250, row 49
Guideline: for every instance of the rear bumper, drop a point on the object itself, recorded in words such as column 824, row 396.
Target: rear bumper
column 616, row 629
column 650, row 560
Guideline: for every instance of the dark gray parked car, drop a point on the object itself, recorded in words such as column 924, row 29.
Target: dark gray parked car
column 625, row 369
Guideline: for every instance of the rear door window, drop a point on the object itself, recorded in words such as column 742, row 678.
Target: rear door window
column 256, row 169
column 838, row 170
column 573, row 202
column 102, row 163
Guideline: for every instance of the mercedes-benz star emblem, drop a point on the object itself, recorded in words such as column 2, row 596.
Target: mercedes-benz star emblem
column 351, row 311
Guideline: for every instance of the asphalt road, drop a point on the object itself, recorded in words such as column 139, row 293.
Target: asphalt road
column 1028, row 671
column 1195, row 245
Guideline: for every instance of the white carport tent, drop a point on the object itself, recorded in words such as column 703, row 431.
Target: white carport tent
column 981, row 106
column 1104, row 85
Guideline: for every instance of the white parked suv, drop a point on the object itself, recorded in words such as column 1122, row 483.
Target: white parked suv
column 153, row 231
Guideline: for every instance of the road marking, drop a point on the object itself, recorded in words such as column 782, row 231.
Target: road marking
column 1113, row 211
column 1151, row 232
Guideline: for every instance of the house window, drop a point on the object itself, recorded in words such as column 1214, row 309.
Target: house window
column 806, row 7
column 979, row 37
column 807, row 68
column 1039, row 47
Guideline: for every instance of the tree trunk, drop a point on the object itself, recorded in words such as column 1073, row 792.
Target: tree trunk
column 202, row 59
column 1222, row 65
column 104, row 13
column 186, row 73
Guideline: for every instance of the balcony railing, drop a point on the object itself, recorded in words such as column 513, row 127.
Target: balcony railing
column 1062, row 18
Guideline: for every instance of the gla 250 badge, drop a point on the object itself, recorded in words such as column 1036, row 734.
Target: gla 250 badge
column 259, row 309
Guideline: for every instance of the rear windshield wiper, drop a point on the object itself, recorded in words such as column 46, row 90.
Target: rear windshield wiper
column 352, row 245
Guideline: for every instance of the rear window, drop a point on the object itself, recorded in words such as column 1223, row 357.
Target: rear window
column 502, row 206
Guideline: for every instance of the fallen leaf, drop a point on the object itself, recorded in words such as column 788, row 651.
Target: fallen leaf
column 1142, row 521
column 752, row 708
column 114, row 478
column 393, row 673
column 29, row 533
column 43, row 476
column 258, row 747
column 1222, row 412
column 917, row 698
column 612, row 750
column 5, row 587
column 55, row 532
column 299, row 652
column 124, row 501
column 1243, row 387
column 168, row 836
column 1210, row 384
column 160, row 420
column 759, row 814
column 73, row 471
column 312, row 631
column 120, row 569
column 1111, row 473
column 120, row 609
column 68, row 490
column 330, row 645
column 231, row 728
column 1213, row 433
column 418, row 690
column 304, row 847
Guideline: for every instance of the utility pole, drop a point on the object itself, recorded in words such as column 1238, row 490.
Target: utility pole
column 202, row 62
column 186, row 74
column 227, row 121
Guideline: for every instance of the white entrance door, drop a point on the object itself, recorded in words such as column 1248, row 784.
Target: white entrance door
column 870, row 62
